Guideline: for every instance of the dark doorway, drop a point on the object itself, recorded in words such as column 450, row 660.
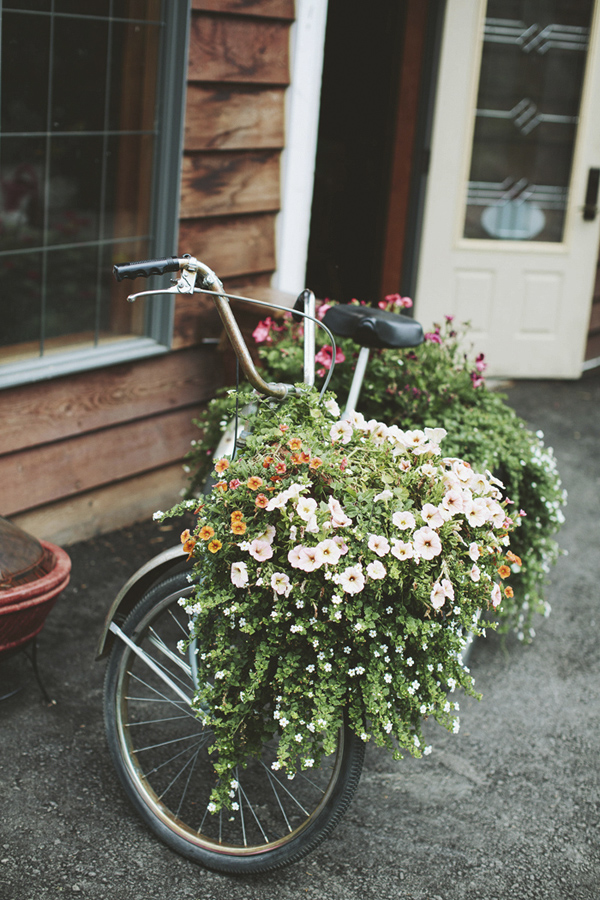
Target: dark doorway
column 372, row 146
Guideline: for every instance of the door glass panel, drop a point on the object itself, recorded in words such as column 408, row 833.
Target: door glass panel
column 532, row 69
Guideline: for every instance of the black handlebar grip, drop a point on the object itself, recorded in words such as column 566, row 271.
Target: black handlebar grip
column 146, row 267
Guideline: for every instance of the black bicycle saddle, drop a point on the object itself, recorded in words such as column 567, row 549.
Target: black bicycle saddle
column 370, row 326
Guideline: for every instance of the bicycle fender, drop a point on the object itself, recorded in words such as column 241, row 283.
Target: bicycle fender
column 135, row 588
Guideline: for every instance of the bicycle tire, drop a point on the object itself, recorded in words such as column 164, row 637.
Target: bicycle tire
column 160, row 752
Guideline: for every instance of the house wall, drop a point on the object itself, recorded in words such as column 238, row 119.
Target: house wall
column 87, row 453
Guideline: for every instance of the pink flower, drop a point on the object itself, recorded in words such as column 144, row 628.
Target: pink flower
column 325, row 355
column 434, row 337
column 262, row 332
column 480, row 363
column 323, row 309
column 397, row 300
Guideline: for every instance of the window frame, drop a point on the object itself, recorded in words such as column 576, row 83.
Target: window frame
column 164, row 219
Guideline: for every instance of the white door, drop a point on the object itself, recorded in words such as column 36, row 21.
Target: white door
column 507, row 244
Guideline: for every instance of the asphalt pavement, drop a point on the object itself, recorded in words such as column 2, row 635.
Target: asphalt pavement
column 508, row 809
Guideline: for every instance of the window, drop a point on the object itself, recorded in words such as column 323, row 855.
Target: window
column 90, row 142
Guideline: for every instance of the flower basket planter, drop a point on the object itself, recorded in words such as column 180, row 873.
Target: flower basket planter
column 24, row 608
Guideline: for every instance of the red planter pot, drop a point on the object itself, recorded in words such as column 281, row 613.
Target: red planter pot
column 23, row 609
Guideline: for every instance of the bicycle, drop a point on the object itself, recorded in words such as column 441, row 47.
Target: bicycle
column 160, row 748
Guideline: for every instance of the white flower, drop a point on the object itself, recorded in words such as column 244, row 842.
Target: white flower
column 281, row 583
column 432, row 516
column 496, row 596
column 309, row 763
column 341, row 431
column 260, row 550
column 378, row 544
column 437, row 596
column 476, row 512
column 212, row 807
column 332, row 407
column 448, row 588
column 239, row 574
column 474, row 551
column 402, row 550
column 352, row 580
column 427, row 543
column 475, row 574
column 327, row 552
column 384, row 495
column 387, row 678
column 339, row 519
column 268, row 534
column 403, row 520
column 376, row 570
column 306, row 507
column 283, row 721
column 435, row 434
column 158, row 514
column 453, row 501
column 357, row 420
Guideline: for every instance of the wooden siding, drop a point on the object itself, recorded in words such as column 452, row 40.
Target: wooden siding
column 234, row 134
column 83, row 454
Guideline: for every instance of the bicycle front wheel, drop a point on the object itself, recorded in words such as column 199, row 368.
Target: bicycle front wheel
column 161, row 751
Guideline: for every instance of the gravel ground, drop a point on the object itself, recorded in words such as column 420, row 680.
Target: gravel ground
column 508, row 808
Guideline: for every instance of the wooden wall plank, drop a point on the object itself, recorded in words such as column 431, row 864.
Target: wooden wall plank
column 226, row 183
column 107, row 508
column 231, row 245
column 41, row 475
column 224, row 48
column 236, row 117
column 276, row 9
column 43, row 413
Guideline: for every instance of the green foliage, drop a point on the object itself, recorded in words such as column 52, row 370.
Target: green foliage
column 438, row 384
column 338, row 566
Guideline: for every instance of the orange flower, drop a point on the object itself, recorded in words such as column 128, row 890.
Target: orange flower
column 206, row 532
column 280, row 467
column 267, row 461
column 304, row 457
column 188, row 541
column 283, row 428
column 295, row 459
column 504, row 571
column 222, row 485
column 254, row 482
column 222, row 465
column 295, row 444
column 215, row 545
column 509, row 591
column 315, row 462
column 237, row 526
column 513, row 558
column 261, row 501
column 237, row 515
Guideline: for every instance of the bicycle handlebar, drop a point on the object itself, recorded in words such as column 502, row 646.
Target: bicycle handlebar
column 190, row 269
column 147, row 267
